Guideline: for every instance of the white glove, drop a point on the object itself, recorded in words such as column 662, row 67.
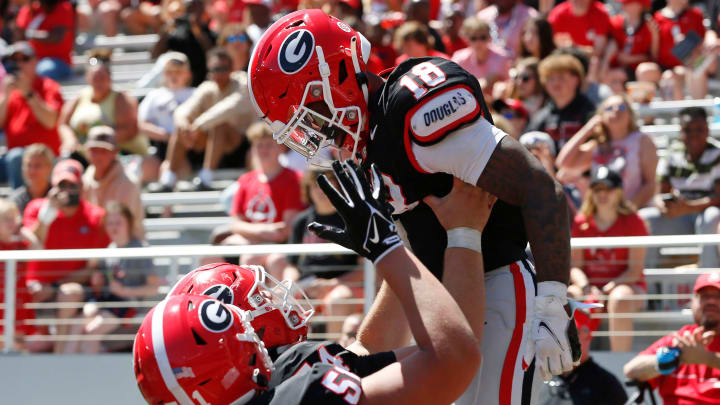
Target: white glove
column 553, row 336
column 47, row 213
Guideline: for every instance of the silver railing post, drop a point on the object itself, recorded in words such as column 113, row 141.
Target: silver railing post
column 9, row 321
column 368, row 284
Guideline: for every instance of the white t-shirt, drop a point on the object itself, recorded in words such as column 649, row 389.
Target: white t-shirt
column 159, row 105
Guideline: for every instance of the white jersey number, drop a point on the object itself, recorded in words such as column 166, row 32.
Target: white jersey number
column 421, row 77
column 340, row 381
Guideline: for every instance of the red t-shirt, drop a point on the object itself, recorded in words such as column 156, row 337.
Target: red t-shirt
column 22, row 295
column 672, row 30
column 689, row 384
column 266, row 202
column 84, row 230
column 583, row 29
column 637, row 44
column 21, row 126
column 603, row 265
column 34, row 16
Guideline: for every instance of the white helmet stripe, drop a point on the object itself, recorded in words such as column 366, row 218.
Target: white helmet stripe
column 161, row 357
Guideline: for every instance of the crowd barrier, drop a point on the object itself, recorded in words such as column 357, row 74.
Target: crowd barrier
column 174, row 253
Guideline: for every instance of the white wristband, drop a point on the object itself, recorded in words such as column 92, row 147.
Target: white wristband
column 47, row 213
column 463, row 237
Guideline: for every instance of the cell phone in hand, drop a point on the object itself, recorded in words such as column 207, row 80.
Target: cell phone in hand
column 667, row 197
column 683, row 49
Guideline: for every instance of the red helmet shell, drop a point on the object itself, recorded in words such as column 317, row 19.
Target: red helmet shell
column 239, row 286
column 193, row 346
column 286, row 60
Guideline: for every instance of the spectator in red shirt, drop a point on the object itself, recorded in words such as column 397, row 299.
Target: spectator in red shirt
column 63, row 220
column 29, row 109
column 10, row 240
column 412, row 40
column 49, row 25
column 636, row 36
column 583, row 23
column 675, row 21
column 694, row 380
column 267, row 199
column 616, row 272
column 452, row 39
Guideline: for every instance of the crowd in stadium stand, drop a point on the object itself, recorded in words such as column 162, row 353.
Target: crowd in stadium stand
column 565, row 78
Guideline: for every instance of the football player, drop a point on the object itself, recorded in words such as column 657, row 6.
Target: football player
column 423, row 124
column 196, row 350
column 279, row 312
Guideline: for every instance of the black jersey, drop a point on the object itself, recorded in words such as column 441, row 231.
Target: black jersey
column 322, row 384
column 300, row 357
column 422, row 101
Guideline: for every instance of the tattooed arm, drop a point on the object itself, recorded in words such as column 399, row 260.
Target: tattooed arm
column 515, row 176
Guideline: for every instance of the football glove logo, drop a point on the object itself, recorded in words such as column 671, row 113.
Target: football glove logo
column 295, row 51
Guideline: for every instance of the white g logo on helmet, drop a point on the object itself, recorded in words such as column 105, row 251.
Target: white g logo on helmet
column 215, row 316
column 295, row 51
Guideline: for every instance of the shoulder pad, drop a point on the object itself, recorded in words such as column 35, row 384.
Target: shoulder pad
column 439, row 113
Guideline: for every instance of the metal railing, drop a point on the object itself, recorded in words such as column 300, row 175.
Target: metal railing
column 176, row 252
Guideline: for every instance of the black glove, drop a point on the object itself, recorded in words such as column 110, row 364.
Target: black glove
column 369, row 228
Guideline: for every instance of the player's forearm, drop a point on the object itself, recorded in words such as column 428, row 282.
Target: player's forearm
column 642, row 368
column 466, row 287
column 386, row 314
column 436, row 321
column 546, row 222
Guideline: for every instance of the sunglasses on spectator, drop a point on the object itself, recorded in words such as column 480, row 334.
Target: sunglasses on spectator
column 617, row 107
column 475, row 38
column 22, row 59
column 237, row 38
column 525, row 78
column 219, row 69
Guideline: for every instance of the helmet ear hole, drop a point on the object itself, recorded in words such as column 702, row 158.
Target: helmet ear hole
column 342, row 72
column 198, row 339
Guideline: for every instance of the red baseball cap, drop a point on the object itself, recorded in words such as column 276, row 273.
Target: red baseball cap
column 645, row 3
column 68, row 169
column 709, row 279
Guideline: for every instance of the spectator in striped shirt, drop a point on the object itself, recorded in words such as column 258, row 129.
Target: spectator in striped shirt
column 689, row 184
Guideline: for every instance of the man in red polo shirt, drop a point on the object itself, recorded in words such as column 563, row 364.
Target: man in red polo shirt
column 29, row 108
column 582, row 23
column 695, row 379
column 63, row 220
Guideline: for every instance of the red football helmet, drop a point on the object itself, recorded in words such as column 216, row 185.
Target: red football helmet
column 307, row 80
column 279, row 311
column 194, row 348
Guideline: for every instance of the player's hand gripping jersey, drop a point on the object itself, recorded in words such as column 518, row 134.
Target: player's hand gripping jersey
column 427, row 123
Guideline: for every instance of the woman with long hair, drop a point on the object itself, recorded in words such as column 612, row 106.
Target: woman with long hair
column 612, row 138
column 536, row 38
column 616, row 273
column 526, row 85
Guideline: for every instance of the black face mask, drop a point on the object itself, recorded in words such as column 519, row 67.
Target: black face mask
column 73, row 199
